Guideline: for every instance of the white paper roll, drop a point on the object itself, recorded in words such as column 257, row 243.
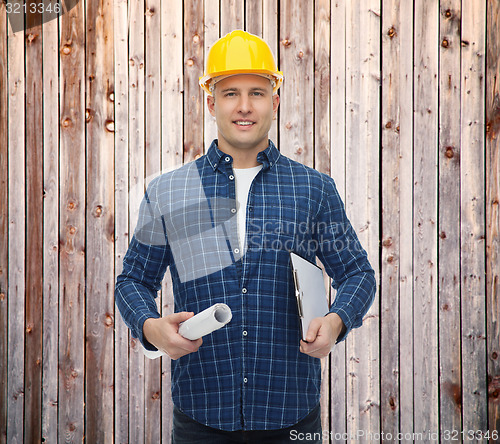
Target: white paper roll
column 202, row 324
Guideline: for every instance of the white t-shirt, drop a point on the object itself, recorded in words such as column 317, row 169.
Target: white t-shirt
column 243, row 180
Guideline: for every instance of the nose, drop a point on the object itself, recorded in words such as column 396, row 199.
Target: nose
column 244, row 104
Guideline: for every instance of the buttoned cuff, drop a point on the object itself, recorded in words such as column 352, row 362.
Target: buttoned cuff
column 141, row 318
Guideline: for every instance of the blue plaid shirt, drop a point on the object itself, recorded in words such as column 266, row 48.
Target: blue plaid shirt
column 250, row 374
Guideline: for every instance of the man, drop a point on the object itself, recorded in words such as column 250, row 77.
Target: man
column 224, row 225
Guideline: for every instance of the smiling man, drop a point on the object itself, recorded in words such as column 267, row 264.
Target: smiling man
column 224, row 225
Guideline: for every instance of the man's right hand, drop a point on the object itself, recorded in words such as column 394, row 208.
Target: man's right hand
column 163, row 333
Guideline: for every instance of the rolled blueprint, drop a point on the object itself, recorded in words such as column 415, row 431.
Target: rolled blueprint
column 202, row 324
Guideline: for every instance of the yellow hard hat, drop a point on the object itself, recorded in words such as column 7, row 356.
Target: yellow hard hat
column 240, row 52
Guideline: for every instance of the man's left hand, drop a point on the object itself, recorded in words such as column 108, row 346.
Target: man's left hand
column 322, row 335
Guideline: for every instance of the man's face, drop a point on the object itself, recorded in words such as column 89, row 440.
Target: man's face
column 244, row 107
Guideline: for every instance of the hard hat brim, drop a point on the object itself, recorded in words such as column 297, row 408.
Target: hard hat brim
column 206, row 80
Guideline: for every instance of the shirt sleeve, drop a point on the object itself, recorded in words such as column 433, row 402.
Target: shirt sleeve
column 345, row 261
column 144, row 266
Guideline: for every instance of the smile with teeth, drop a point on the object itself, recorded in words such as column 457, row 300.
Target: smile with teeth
column 243, row 122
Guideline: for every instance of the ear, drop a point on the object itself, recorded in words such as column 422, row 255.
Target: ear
column 211, row 105
column 276, row 102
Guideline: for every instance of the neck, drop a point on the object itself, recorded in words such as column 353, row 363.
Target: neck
column 243, row 158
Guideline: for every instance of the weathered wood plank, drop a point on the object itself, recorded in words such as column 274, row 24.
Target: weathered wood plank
column 322, row 86
column 321, row 158
column 338, row 387
column 297, row 63
column 211, row 34
column 449, row 216
column 121, row 226
column 270, row 35
column 362, row 196
column 50, row 231
column 406, row 217
column 16, row 235
column 172, row 148
column 72, row 226
column 472, row 218
column 232, row 15
column 492, row 211
column 389, row 285
column 136, row 116
column 426, row 379
column 193, row 69
column 100, row 220
column 253, row 17
column 338, row 94
column 152, row 383
column 34, row 216
column 4, row 226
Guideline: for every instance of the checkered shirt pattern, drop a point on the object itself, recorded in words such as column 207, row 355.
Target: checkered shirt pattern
column 250, row 374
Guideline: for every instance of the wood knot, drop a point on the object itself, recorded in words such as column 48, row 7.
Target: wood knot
column 30, row 37
column 190, row 62
column 71, row 206
column 66, row 49
column 88, row 115
column 196, row 39
column 392, row 402
column 442, row 235
column 387, row 242
column 288, row 126
column 447, row 13
column 71, row 230
column 111, row 96
column 150, row 12
column 108, row 320
column 449, row 153
column 300, row 55
column 392, row 32
column 110, row 126
column 66, row 123
column 155, row 396
column 390, row 259
column 29, row 328
column 446, row 307
column 2, row 296
column 494, row 355
column 286, row 43
column 445, row 43
column 98, row 211
column 388, row 124
column 465, row 43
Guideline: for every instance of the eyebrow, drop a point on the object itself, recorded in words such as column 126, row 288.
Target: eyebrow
column 257, row 88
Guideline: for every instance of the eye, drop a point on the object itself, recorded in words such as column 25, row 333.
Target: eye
column 229, row 94
column 257, row 93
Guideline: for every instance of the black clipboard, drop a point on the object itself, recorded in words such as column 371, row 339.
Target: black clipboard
column 310, row 291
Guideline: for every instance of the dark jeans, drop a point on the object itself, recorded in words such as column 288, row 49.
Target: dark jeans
column 188, row 431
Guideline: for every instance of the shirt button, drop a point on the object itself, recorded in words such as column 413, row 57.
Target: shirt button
column 233, row 210
column 244, row 333
column 244, row 290
column 227, row 159
column 236, row 250
column 231, row 177
column 245, row 380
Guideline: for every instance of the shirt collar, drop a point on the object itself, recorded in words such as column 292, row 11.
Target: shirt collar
column 268, row 157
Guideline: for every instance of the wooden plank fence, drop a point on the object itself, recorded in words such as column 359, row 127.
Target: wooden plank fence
column 398, row 101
